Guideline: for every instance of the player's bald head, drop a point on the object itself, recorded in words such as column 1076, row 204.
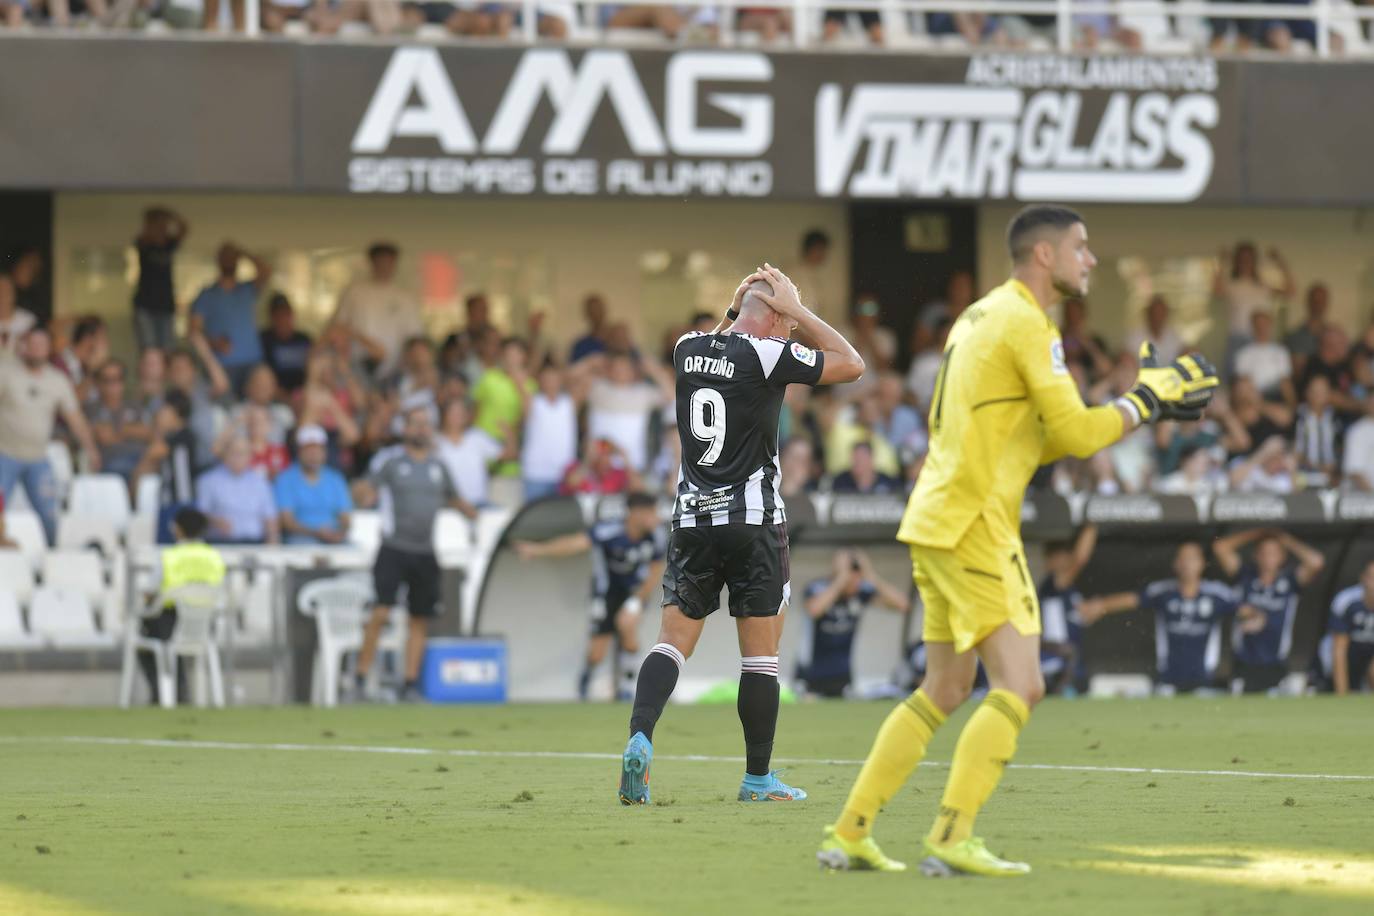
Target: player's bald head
column 754, row 307
column 1036, row 223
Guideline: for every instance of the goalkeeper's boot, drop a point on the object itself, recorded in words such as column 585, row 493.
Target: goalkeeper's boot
column 838, row 854
column 634, row 771
column 969, row 857
column 768, row 788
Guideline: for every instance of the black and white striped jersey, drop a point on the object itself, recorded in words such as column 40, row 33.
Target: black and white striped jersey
column 729, row 395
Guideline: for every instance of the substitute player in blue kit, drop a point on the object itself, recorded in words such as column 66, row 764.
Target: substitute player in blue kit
column 1352, row 635
column 1267, row 589
column 1188, row 613
column 1061, row 623
column 835, row 606
column 627, row 567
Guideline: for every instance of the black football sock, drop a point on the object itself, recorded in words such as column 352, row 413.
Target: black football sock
column 758, row 710
column 657, row 678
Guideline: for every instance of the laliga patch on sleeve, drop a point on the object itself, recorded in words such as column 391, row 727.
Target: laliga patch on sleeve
column 1057, row 363
column 804, row 355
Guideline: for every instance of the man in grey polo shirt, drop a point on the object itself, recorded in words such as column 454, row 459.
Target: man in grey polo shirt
column 409, row 485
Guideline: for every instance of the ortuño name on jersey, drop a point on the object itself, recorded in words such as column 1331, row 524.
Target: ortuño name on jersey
column 711, row 365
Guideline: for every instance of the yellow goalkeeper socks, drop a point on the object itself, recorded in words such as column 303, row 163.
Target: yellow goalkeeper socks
column 900, row 745
column 985, row 747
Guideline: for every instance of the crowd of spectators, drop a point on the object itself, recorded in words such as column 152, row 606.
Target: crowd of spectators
column 558, row 19
column 260, row 427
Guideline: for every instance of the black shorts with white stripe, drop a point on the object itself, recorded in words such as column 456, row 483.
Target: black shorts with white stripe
column 750, row 560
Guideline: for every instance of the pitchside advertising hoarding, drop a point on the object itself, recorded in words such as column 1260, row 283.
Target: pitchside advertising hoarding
column 421, row 120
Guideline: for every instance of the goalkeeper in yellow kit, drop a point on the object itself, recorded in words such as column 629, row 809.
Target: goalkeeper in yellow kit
column 1004, row 404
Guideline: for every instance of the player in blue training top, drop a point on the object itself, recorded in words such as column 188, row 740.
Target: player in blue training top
column 1267, row 589
column 1061, row 624
column 835, row 606
column 627, row 566
column 1352, row 635
column 1188, row 612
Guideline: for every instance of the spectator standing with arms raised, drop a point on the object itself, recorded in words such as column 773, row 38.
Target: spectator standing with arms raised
column 155, row 295
column 377, row 312
column 32, row 394
column 1237, row 284
column 226, row 313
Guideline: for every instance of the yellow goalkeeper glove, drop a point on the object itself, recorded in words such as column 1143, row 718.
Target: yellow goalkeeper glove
column 1178, row 391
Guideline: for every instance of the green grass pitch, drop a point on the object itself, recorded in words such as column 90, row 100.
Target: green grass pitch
column 176, row 828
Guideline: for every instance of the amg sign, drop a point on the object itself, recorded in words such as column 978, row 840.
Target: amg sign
column 1024, row 132
column 418, row 98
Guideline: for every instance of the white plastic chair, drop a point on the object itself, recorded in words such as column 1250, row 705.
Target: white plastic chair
column 453, row 533
column 200, row 609
column 148, row 498
column 26, row 530
column 251, row 597
column 78, row 571
column 64, row 619
column 105, row 495
column 13, row 635
column 60, row 461
column 79, row 531
column 16, row 576
column 340, row 606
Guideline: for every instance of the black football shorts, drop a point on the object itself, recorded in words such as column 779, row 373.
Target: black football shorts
column 749, row 560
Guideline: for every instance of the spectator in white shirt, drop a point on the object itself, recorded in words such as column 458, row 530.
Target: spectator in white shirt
column 467, row 454
column 1168, row 346
column 1266, row 362
column 550, row 435
column 379, row 314
column 1315, row 433
column 1358, row 466
column 14, row 321
column 619, row 406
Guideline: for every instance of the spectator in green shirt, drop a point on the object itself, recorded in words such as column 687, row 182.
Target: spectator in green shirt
column 500, row 397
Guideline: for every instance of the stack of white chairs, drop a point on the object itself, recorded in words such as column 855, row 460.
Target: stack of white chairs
column 17, row 576
column 200, row 614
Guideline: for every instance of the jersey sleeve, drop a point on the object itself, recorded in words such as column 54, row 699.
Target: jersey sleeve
column 815, row 587
column 1071, row 427
column 796, row 363
column 1339, row 622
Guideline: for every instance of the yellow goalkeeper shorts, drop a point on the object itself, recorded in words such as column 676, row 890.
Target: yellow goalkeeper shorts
column 975, row 588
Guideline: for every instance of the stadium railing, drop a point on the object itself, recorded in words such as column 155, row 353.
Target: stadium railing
column 1342, row 16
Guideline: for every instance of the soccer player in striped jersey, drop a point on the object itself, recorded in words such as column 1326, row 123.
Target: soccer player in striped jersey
column 729, row 523
column 627, row 565
column 1268, row 590
column 1004, row 403
column 1352, row 635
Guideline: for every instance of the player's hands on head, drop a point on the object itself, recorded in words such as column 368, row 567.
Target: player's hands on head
column 786, row 301
column 744, row 288
column 1179, row 391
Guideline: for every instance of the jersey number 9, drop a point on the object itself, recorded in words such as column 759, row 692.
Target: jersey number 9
column 708, row 423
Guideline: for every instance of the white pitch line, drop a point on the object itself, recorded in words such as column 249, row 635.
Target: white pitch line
column 575, row 755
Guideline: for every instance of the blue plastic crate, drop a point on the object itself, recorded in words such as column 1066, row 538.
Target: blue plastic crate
column 465, row 670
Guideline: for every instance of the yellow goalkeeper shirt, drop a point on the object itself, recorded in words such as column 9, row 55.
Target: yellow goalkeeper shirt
column 1004, row 404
